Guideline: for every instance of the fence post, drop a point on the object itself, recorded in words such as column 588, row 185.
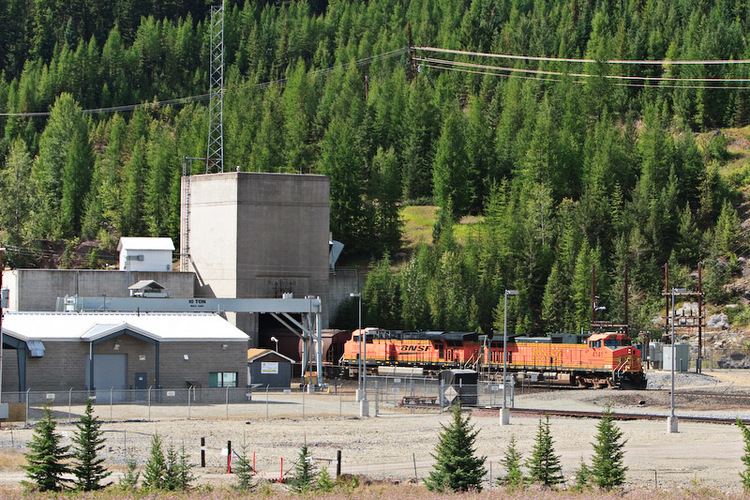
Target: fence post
column 227, row 401
column 281, row 471
column 26, row 422
column 266, row 400
column 414, row 459
column 148, row 397
column 111, row 390
column 70, row 400
column 377, row 397
column 203, row 452
column 188, row 408
column 303, row 402
column 341, row 394
column 229, row 457
column 338, row 463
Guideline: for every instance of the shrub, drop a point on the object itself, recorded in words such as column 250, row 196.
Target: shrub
column 457, row 467
column 607, row 468
column 89, row 441
column 544, row 465
column 512, row 463
column 45, row 461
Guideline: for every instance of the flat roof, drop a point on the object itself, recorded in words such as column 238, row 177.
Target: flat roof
column 143, row 243
column 162, row 327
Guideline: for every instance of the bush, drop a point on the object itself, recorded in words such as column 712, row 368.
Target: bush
column 155, row 470
column 607, row 468
column 129, row 480
column 544, row 465
column 89, row 469
column 244, row 471
column 512, row 462
column 745, row 474
column 304, row 471
column 45, row 461
column 457, row 468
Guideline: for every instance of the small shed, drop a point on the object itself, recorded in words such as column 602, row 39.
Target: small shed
column 147, row 289
column 145, row 254
column 268, row 368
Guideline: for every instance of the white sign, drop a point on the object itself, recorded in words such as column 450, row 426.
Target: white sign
column 269, row 368
column 170, row 393
column 51, row 395
column 450, row 393
column 224, row 452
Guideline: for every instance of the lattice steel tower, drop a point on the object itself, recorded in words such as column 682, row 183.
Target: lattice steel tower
column 215, row 149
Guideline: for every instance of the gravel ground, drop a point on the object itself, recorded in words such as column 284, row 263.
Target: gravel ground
column 388, row 447
column 392, row 446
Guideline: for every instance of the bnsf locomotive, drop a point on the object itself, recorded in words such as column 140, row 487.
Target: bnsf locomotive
column 599, row 360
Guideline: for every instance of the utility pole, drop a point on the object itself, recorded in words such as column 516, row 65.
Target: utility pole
column 626, row 296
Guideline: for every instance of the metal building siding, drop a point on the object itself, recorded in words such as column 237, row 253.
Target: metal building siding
column 283, row 379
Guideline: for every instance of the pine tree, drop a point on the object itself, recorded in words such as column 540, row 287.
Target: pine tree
column 129, row 480
column 582, row 478
column 185, row 475
column 544, row 465
column 324, row 483
column 607, row 468
column 457, row 468
column 244, row 471
column 154, row 473
column 304, row 471
column 172, row 470
column 513, row 477
column 89, row 441
column 745, row 474
column 45, row 461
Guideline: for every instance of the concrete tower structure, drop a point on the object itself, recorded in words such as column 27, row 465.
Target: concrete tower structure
column 251, row 235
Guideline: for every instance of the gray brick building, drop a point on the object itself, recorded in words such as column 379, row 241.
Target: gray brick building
column 103, row 351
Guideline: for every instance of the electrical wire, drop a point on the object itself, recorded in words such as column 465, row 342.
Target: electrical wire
column 653, row 62
column 578, row 75
column 205, row 97
column 618, row 84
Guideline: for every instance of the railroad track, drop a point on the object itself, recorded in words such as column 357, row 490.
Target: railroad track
column 615, row 415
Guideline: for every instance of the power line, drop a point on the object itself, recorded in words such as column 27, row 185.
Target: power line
column 578, row 75
column 654, row 62
column 206, row 97
column 618, row 84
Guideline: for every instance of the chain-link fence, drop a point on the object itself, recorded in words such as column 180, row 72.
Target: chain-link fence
column 185, row 403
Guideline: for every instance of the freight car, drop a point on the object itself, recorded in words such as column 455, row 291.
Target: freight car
column 599, row 360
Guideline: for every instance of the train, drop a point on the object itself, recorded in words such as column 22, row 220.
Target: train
column 598, row 360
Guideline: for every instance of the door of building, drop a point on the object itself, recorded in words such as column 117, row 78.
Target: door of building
column 140, row 385
column 110, row 377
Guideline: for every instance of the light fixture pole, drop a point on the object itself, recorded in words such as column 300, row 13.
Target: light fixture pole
column 276, row 341
column 672, row 419
column 505, row 411
column 358, row 296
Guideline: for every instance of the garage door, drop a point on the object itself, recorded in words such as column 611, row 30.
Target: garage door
column 110, row 371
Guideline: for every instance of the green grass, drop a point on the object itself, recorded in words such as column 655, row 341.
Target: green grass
column 418, row 222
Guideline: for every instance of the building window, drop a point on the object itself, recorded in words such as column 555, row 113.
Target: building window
column 222, row 379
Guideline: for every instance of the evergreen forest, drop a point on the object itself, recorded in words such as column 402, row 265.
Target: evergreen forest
column 569, row 176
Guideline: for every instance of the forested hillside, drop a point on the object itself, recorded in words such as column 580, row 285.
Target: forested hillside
column 571, row 173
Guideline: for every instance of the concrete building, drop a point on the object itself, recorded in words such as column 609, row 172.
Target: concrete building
column 250, row 235
column 267, row 368
column 38, row 289
column 145, row 254
column 103, row 351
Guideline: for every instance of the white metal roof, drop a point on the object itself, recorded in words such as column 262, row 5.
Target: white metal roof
column 143, row 243
column 162, row 327
column 140, row 285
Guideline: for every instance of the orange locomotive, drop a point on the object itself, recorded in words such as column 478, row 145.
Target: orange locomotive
column 603, row 359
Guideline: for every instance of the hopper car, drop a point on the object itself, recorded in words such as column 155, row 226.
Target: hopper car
column 598, row 360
